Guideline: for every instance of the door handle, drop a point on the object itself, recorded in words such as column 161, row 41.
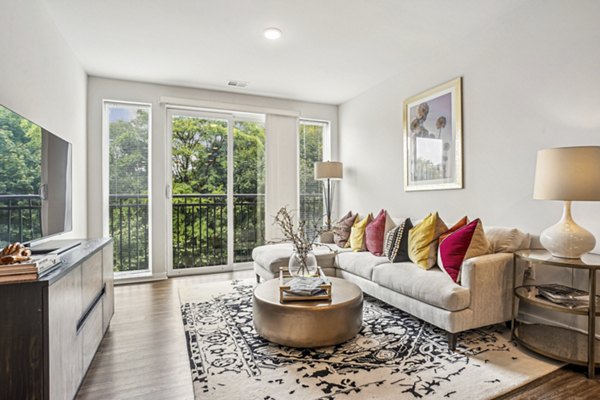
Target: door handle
column 168, row 192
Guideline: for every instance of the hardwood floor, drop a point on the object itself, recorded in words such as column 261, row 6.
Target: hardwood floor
column 144, row 354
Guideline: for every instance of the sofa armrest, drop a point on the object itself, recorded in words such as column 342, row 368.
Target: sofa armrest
column 489, row 279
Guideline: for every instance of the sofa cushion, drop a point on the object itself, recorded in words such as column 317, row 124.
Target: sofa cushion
column 341, row 229
column 507, row 240
column 274, row 256
column 360, row 264
column 467, row 242
column 423, row 240
column 396, row 242
column 375, row 233
column 462, row 222
column 357, row 233
column 429, row 286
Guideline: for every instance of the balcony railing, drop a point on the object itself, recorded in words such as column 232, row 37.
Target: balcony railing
column 199, row 226
column 20, row 218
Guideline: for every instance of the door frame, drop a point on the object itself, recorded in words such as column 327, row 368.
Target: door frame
column 231, row 117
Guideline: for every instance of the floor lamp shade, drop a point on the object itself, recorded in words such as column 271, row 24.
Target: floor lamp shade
column 568, row 174
column 328, row 171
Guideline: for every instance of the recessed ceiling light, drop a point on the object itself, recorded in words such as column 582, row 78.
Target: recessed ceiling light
column 272, row 33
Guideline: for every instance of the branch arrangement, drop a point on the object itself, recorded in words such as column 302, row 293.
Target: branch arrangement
column 301, row 240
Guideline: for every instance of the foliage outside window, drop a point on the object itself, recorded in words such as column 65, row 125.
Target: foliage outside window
column 312, row 137
column 20, row 178
column 200, row 166
column 129, row 131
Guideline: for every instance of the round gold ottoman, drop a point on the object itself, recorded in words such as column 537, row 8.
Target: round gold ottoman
column 308, row 323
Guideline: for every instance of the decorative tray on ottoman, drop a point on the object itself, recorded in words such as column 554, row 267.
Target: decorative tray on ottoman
column 285, row 277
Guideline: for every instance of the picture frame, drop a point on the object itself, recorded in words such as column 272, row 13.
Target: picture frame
column 433, row 138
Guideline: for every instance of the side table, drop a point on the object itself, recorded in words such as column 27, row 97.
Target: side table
column 560, row 343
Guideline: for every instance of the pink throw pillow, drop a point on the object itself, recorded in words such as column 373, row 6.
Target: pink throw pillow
column 376, row 234
column 468, row 241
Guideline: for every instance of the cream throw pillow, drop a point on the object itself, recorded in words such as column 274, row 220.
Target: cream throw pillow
column 507, row 240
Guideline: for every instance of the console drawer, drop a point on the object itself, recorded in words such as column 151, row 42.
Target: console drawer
column 91, row 333
column 91, row 279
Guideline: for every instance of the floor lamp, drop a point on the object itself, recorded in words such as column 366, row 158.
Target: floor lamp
column 328, row 171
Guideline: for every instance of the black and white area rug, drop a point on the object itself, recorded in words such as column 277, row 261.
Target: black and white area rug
column 395, row 356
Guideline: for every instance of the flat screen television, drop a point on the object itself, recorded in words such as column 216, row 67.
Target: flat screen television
column 35, row 181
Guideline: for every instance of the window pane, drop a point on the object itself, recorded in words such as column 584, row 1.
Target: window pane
column 248, row 188
column 312, row 135
column 128, row 127
column 199, row 163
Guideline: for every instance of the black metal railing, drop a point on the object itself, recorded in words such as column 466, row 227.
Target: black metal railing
column 20, row 218
column 312, row 211
column 128, row 226
column 199, row 229
column 199, row 226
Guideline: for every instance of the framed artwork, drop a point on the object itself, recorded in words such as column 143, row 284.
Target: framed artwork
column 433, row 138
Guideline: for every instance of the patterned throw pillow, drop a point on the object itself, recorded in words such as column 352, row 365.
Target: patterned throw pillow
column 357, row 233
column 341, row 229
column 396, row 242
column 469, row 241
column 375, row 234
column 423, row 240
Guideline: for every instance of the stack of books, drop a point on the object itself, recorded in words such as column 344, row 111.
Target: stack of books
column 28, row 270
column 565, row 296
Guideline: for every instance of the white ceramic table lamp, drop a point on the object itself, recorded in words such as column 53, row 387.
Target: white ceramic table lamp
column 328, row 171
column 568, row 174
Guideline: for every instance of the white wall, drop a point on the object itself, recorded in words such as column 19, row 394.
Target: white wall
column 531, row 81
column 111, row 89
column 41, row 79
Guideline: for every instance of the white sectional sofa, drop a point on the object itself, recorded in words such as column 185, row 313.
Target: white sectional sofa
column 483, row 297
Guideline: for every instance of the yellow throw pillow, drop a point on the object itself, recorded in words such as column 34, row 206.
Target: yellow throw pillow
column 357, row 234
column 423, row 240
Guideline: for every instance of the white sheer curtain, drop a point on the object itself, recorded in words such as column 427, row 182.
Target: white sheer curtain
column 282, row 168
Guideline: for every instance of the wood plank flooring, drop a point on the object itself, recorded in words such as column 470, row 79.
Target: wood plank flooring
column 144, row 354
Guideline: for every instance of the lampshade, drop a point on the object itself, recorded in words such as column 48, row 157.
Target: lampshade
column 329, row 170
column 568, row 173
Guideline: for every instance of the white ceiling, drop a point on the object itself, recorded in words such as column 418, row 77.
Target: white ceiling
column 330, row 51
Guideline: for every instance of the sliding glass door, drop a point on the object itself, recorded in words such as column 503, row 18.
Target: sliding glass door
column 216, row 191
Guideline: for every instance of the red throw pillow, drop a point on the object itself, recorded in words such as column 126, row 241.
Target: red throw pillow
column 375, row 234
column 468, row 241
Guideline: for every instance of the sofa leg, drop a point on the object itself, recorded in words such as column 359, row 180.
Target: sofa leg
column 452, row 340
column 257, row 278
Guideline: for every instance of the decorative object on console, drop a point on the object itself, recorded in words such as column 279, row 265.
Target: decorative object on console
column 357, row 234
column 568, row 174
column 396, row 242
column 302, row 261
column 467, row 242
column 433, row 138
column 341, row 229
column 328, row 171
column 14, row 253
column 423, row 240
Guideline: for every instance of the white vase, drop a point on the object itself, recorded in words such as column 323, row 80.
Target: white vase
column 566, row 239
